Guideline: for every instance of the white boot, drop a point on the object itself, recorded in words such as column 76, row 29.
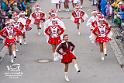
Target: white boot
column 90, row 36
column 59, row 10
column 105, row 52
column 77, row 68
column 55, row 57
column 102, row 57
column 20, row 41
column 79, row 33
column 12, row 59
column 68, row 10
column 38, row 33
column 17, row 49
column 14, row 54
column 25, row 42
column 66, row 77
column 81, row 7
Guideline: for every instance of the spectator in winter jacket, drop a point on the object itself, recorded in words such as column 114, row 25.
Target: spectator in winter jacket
column 103, row 7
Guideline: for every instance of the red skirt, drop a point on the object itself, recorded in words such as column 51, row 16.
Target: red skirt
column 67, row 58
column 37, row 21
column 9, row 41
column 102, row 39
column 76, row 20
column 56, row 40
column 19, row 34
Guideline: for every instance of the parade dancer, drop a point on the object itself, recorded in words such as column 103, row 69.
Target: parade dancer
column 18, row 25
column 65, row 49
column 78, row 16
column 54, row 31
column 10, row 33
column 39, row 18
column 102, row 32
column 53, row 15
column 58, row 4
column 92, row 23
column 26, row 22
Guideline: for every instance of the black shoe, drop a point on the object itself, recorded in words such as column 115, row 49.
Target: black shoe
column 1, row 59
column 17, row 41
column 118, row 37
column 78, row 71
column 20, row 43
column 105, row 54
column 15, row 57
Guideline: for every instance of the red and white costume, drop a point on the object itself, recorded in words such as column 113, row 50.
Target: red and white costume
column 78, row 15
column 38, row 16
column 19, row 26
column 10, row 33
column 93, row 25
column 102, row 32
column 54, row 33
column 28, row 24
column 52, row 13
column 25, row 21
column 92, row 21
column 48, row 22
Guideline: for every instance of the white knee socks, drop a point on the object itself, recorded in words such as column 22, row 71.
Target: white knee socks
column 20, row 40
column 66, row 76
column 14, row 53
column 76, row 67
column 105, row 51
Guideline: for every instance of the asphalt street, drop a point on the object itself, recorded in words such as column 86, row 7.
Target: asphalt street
column 93, row 70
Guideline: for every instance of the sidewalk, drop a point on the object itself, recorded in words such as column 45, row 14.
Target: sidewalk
column 1, row 47
column 116, row 32
column 117, row 45
column 1, row 44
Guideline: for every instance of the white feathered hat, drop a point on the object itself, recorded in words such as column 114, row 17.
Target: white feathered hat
column 22, row 13
column 7, row 21
column 94, row 12
column 37, row 6
column 15, row 15
column 77, row 6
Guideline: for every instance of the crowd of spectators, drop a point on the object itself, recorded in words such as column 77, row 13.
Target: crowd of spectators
column 8, row 7
column 113, row 9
